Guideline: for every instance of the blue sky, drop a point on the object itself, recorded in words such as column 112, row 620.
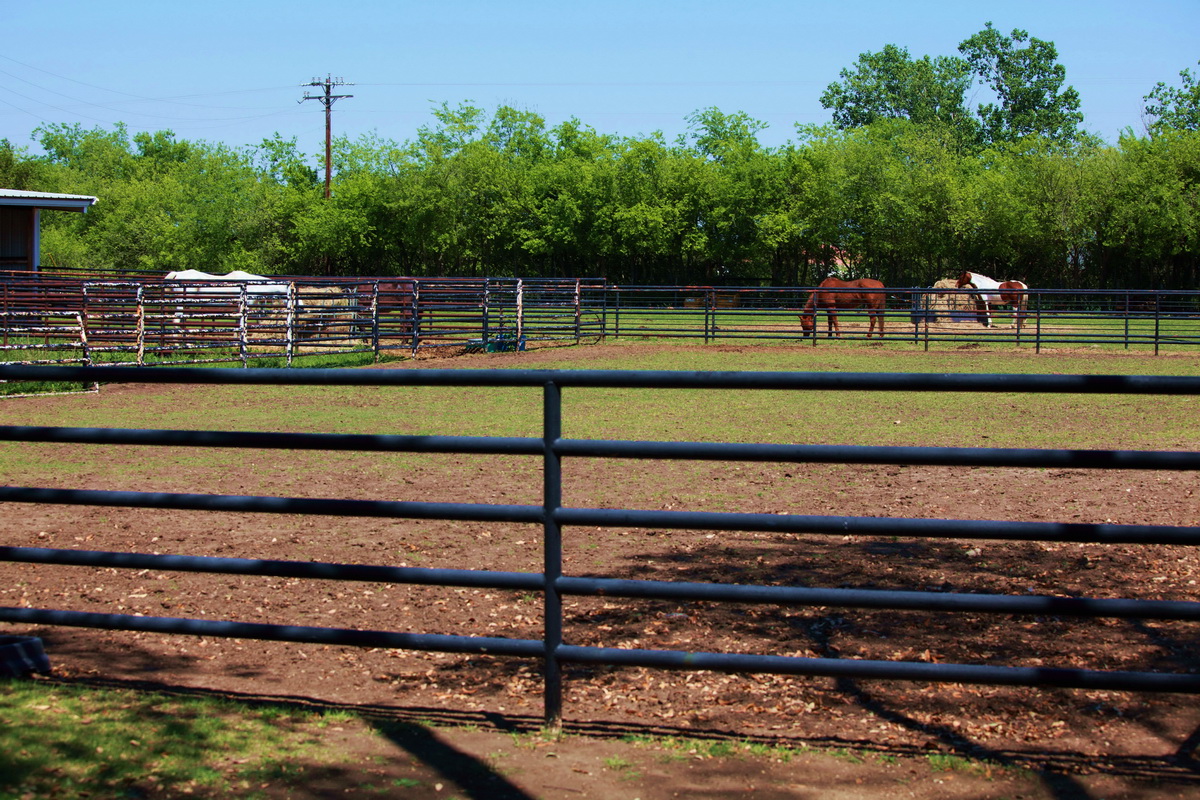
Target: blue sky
column 233, row 71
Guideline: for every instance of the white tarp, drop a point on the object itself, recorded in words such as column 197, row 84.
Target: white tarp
column 255, row 284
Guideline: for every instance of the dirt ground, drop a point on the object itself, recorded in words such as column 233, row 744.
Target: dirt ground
column 1028, row 743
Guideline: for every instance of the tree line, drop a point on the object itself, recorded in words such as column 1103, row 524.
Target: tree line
column 907, row 184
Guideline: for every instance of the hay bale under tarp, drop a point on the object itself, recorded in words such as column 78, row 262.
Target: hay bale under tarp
column 328, row 313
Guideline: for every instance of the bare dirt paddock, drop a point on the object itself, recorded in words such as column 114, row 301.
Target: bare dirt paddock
column 1076, row 743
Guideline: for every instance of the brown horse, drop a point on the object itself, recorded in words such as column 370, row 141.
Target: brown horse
column 1006, row 293
column 833, row 295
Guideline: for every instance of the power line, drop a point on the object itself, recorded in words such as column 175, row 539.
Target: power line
column 327, row 100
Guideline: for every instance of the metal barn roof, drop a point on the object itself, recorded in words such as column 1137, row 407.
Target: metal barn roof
column 65, row 202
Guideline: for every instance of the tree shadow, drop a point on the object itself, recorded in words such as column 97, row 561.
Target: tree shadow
column 413, row 729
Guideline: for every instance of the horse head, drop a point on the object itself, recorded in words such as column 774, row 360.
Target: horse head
column 807, row 321
column 965, row 280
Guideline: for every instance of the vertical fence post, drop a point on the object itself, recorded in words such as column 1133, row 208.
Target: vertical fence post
column 290, row 320
column 1022, row 301
column 242, row 332
column 520, row 308
column 141, row 325
column 1157, row 319
column 487, row 310
column 710, row 315
column 83, row 323
column 1127, row 310
column 1037, row 335
column 926, row 302
column 552, row 553
column 603, row 311
column 414, row 318
column 577, row 310
column 83, row 338
column 616, row 312
column 375, row 319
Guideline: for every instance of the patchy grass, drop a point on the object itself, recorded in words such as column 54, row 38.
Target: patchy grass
column 900, row 418
column 71, row 742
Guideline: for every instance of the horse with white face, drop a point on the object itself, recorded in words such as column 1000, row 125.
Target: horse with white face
column 992, row 293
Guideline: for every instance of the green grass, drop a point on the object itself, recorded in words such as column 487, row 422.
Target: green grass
column 900, row 418
column 68, row 742
column 71, row 742
column 1058, row 329
column 226, row 357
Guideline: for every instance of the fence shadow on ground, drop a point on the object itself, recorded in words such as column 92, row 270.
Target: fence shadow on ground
column 413, row 730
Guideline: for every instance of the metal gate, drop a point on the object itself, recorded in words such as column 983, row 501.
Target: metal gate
column 553, row 584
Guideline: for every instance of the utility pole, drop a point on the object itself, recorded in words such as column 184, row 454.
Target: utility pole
column 328, row 99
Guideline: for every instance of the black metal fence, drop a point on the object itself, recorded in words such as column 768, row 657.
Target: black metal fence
column 924, row 316
column 553, row 584
column 47, row 319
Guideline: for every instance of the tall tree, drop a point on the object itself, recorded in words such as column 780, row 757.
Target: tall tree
column 18, row 170
column 1028, row 85
column 1174, row 109
column 723, row 137
column 892, row 85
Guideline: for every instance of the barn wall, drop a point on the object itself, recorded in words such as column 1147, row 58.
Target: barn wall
column 18, row 240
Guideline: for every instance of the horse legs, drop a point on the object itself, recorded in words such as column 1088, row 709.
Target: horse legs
column 874, row 318
column 1018, row 306
column 832, row 324
column 982, row 311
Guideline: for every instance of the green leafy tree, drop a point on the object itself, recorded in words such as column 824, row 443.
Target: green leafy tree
column 1027, row 82
column 736, row 186
column 280, row 160
column 97, row 153
column 19, row 171
column 1148, row 212
column 723, row 137
column 456, row 128
column 160, row 150
column 1171, row 108
column 891, row 84
column 898, row 197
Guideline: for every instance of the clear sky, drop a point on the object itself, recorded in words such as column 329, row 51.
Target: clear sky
column 233, row 72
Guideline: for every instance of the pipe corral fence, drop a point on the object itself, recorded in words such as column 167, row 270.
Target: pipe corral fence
column 555, row 520
column 86, row 320
column 94, row 320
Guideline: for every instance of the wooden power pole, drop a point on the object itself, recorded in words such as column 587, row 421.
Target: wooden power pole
column 327, row 99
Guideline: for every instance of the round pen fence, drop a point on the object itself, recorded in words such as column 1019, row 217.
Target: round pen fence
column 49, row 319
column 553, row 582
column 925, row 316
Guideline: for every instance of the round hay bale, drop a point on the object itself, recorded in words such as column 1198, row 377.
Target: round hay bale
column 950, row 306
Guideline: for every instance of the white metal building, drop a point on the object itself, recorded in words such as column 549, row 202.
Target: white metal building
column 20, row 224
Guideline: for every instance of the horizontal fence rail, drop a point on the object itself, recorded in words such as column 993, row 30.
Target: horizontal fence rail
column 150, row 320
column 552, row 649
column 926, row 316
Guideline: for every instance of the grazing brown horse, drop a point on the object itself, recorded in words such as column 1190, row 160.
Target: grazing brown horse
column 1006, row 293
column 833, row 295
